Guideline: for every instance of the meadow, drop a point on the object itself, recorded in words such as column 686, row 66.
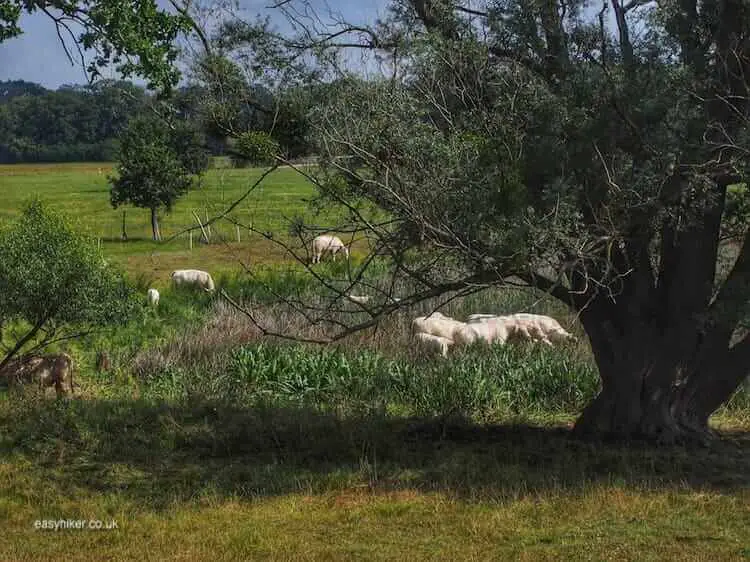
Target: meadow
column 206, row 441
column 81, row 192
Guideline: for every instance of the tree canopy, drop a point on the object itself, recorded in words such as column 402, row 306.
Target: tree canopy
column 137, row 37
column 69, row 124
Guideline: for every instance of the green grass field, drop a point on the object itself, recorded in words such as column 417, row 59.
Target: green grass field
column 205, row 442
column 81, row 192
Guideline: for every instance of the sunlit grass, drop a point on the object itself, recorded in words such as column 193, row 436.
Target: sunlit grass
column 81, row 192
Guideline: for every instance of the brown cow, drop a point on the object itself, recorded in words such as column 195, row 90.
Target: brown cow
column 45, row 370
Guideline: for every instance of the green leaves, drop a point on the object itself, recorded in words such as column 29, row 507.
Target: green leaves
column 51, row 275
column 257, row 147
column 156, row 163
column 134, row 35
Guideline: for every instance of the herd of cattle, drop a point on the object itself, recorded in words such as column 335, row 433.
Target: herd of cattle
column 436, row 332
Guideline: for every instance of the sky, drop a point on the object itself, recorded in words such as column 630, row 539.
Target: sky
column 37, row 55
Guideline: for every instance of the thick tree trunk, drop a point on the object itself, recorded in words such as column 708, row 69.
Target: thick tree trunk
column 652, row 388
column 628, row 406
column 155, row 225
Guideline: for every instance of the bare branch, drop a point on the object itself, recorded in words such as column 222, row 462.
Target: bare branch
column 60, row 22
column 472, row 12
column 635, row 4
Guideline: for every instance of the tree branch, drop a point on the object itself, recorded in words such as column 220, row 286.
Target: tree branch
column 184, row 10
column 626, row 48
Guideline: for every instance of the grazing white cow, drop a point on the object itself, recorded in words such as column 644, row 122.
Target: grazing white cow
column 360, row 299
column 537, row 327
column 46, row 370
column 436, row 324
column 153, row 297
column 327, row 243
column 194, row 277
column 491, row 330
column 435, row 344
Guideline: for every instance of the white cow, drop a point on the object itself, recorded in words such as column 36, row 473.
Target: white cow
column 491, row 330
column 537, row 327
column 436, row 324
column 326, row 243
column 360, row 299
column 195, row 277
column 435, row 344
column 153, row 297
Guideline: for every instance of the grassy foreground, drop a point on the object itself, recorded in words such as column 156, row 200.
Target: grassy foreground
column 200, row 482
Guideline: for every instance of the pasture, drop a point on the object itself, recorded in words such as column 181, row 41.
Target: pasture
column 81, row 192
column 205, row 441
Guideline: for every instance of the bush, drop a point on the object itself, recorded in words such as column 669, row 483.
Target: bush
column 54, row 280
column 257, row 147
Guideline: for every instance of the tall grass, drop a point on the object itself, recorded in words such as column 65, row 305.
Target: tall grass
column 220, row 355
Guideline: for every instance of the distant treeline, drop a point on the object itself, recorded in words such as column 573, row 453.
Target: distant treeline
column 82, row 123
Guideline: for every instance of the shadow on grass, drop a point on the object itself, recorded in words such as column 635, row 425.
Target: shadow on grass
column 161, row 454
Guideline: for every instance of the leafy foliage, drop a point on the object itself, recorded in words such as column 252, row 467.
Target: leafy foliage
column 257, row 147
column 54, row 279
column 157, row 163
column 69, row 124
column 137, row 37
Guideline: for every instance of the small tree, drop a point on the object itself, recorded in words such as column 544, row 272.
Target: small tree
column 54, row 284
column 156, row 166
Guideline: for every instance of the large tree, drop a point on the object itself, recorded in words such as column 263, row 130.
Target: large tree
column 531, row 141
